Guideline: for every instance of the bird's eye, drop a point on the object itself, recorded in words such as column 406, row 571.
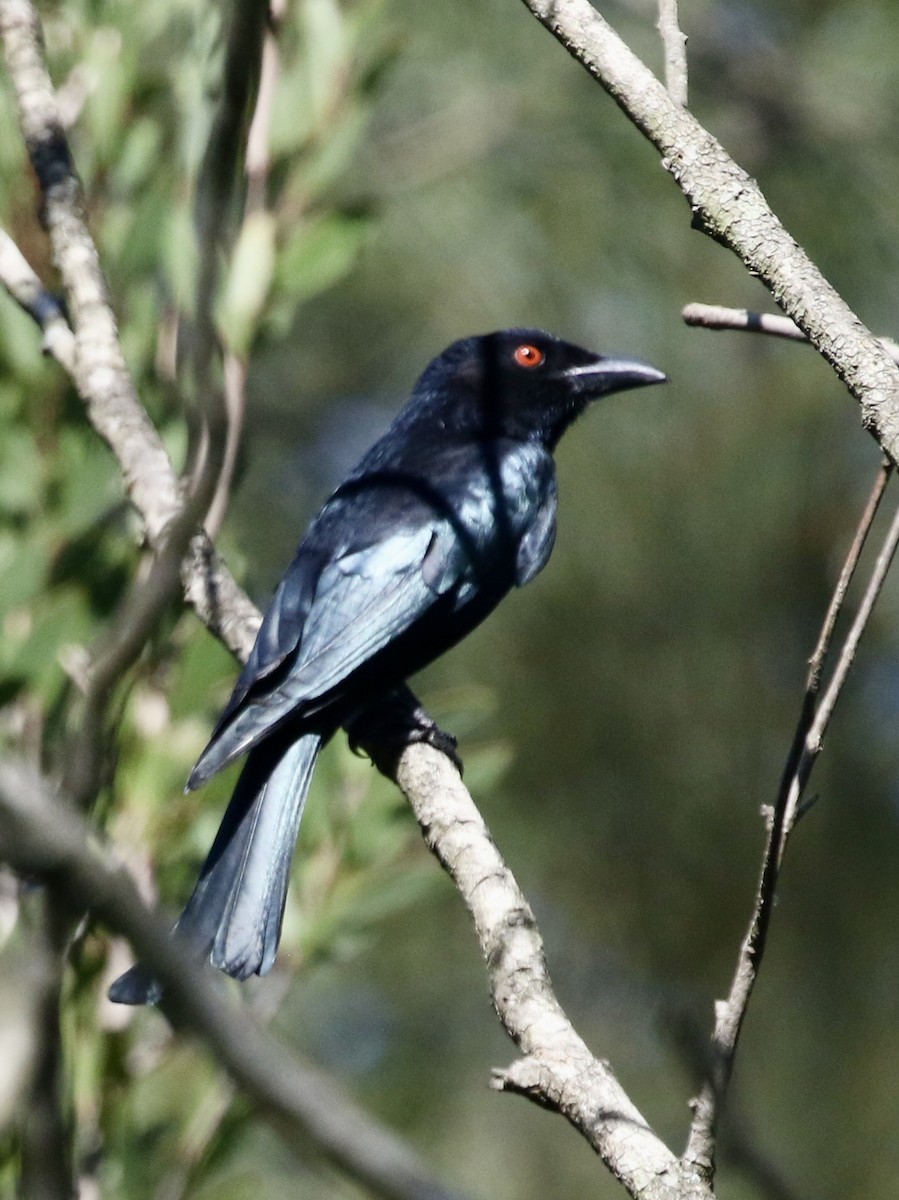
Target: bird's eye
column 528, row 356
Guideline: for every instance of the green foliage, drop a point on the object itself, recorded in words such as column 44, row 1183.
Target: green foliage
column 139, row 85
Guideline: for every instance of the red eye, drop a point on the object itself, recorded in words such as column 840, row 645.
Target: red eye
column 528, row 356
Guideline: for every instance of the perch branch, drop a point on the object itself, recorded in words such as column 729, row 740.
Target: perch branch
column 556, row 1068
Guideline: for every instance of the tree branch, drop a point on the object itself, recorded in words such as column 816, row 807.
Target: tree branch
column 99, row 371
column 729, row 206
column 807, row 739
column 674, row 41
column 718, row 316
column 557, row 1070
column 42, row 306
column 41, row 836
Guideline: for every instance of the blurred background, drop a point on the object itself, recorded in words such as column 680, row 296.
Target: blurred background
column 439, row 170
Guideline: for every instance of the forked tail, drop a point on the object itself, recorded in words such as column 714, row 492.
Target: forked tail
column 234, row 915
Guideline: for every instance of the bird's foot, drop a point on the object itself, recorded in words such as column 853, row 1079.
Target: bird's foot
column 383, row 729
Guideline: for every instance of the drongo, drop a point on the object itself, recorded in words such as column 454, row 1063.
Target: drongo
column 449, row 510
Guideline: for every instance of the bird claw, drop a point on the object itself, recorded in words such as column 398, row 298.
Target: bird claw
column 383, row 730
column 433, row 735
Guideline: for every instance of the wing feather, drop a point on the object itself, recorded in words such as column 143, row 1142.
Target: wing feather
column 362, row 602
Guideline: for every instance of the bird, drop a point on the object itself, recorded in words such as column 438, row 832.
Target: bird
column 452, row 508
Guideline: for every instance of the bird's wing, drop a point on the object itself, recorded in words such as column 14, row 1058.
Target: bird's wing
column 280, row 631
column 363, row 600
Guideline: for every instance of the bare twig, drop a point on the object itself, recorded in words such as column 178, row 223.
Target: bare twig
column 819, row 655
column 739, row 1141
column 27, row 290
column 813, row 743
column 731, row 1013
column 718, row 316
column 674, row 41
column 41, row 836
column 729, row 205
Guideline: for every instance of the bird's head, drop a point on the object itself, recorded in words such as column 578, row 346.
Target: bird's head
column 523, row 383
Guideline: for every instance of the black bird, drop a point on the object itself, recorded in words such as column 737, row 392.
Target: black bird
column 450, row 509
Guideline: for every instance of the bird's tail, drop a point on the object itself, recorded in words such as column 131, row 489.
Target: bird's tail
column 234, row 915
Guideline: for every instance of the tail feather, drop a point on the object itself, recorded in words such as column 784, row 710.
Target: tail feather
column 243, row 886
column 235, row 912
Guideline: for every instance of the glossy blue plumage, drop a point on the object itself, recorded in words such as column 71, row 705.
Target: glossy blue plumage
column 449, row 510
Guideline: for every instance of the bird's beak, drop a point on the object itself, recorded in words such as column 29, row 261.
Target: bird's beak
column 612, row 375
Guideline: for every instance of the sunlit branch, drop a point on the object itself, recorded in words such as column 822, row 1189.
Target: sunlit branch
column 674, row 41
column 728, row 204
column 41, row 305
column 718, row 316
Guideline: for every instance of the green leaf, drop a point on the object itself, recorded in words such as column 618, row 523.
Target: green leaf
column 316, row 256
column 20, row 473
column 249, row 280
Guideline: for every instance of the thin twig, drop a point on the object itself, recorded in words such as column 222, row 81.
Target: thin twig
column 718, row 316
column 42, row 306
column 674, row 41
column 730, row 1014
column 813, row 743
column 819, row 655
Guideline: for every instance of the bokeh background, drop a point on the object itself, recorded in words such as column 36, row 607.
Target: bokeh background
column 443, row 169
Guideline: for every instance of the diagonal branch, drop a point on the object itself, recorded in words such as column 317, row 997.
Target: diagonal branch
column 729, row 205
column 807, row 739
column 39, row 835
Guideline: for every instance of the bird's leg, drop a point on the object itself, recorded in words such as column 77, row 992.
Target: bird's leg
column 383, row 728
